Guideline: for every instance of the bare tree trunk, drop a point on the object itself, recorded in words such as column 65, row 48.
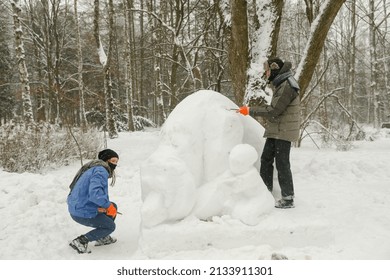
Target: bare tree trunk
column 352, row 58
column 386, row 106
column 129, row 89
column 53, row 47
column 220, row 32
column 158, row 64
column 323, row 90
column 173, row 84
column 277, row 6
column 160, row 116
column 239, row 49
column 41, row 95
column 142, row 99
column 309, row 10
column 23, row 73
column 315, row 43
column 48, row 44
column 374, row 93
column 58, row 59
column 83, row 121
column 263, row 45
column 111, row 126
column 7, row 96
column 105, row 62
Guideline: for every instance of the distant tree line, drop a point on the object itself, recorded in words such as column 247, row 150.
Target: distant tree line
column 123, row 65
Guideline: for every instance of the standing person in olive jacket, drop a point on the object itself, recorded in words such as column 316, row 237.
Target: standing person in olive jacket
column 282, row 119
column 89, row 204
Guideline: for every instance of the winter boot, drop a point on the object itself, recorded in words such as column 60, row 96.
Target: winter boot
column 105, row 241
column 80, row 244
column 285, row 203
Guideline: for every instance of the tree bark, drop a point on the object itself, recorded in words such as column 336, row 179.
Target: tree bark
column 111, row 126
column 315, row 43
column 83, row 122
column 158, row 52
column 263, row 42
column 128, row 77
column 374, row 94
column 23, row 73
column 278, row 10
column 239, row 49
column 41, row 95
column 105, row 62
column 352, row 58
column 57, row 58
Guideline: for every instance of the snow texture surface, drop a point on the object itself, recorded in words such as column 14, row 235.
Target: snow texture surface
column 341, row 213
column 205, row 164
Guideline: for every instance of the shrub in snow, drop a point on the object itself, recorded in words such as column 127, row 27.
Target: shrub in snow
column 98, row 120
column 32, row 150
column 141, row 123
column 206, row 164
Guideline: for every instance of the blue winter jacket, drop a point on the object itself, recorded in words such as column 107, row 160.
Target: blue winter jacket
column 89, row 193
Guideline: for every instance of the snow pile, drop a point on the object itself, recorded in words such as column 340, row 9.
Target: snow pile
column 206, row 164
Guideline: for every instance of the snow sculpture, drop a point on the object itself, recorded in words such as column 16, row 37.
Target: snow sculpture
column 241, row 159
column 239, row 192
column 206, row 164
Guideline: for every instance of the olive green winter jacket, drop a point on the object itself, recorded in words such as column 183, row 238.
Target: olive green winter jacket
column 283, row 114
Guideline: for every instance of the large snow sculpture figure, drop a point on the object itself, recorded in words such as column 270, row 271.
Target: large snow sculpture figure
column 192, row 161
column 239, row 192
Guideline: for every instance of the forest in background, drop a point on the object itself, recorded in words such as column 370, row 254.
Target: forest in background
column 79, row 63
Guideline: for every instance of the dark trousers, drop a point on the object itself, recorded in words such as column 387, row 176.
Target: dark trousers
column 104, row 225
column 277, row 151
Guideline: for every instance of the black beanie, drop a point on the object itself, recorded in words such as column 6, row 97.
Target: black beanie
column 274, row 64
column 106, row 154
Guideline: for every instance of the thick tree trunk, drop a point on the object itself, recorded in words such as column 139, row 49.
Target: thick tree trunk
column 278, row 10
column 263, row 45
column 315, row 43
column 239, row 49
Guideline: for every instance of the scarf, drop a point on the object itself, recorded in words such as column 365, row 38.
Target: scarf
column 85, row 167
column 286, row 76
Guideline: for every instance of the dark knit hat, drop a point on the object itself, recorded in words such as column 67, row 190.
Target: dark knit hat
column 275, row 64
column 106, row 154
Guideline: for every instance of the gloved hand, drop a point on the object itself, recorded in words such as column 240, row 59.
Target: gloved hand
column 111, row 211
column 244, row 110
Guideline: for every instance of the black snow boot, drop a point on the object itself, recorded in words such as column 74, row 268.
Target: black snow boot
column 105, row 241
column 80, row 244
column 285, row 203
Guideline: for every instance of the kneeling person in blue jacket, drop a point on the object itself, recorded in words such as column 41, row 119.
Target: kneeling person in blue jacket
column 89, row 204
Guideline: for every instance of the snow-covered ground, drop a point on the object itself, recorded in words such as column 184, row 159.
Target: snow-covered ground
column 191, row 191
column 342, row 212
